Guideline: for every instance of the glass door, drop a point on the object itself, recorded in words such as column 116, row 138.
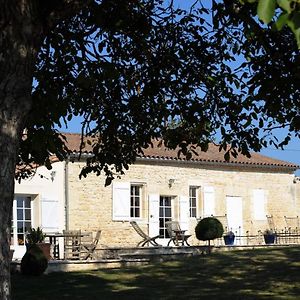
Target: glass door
column 165, row 214
column 21, row 222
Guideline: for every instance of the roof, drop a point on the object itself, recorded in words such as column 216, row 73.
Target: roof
column 213, row 155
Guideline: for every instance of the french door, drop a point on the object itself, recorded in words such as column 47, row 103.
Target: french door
column 21, row 223
column 165, row 214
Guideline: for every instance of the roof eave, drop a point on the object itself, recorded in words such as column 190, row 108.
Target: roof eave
column 289, row 168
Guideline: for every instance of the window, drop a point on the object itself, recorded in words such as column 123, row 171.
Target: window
column 135, row 201
column 21, row 221
column 127, row 200
column 193, row 201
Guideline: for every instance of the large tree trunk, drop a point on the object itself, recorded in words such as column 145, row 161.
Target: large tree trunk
column 20, row 36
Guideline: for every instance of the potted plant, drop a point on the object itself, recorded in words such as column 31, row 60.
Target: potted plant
column 269, row 236
column 229, row 238
column 209, row 229
column 37, row 237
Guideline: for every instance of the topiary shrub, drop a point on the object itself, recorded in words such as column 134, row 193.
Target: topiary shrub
column 209, row 229
column 34, row 261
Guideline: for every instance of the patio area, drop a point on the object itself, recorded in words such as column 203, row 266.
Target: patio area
column 115, row 257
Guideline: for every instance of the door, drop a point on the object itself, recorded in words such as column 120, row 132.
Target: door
column 160, row 211
column 234, row 207
column 21, row 223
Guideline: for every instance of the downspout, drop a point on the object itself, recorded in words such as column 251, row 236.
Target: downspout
column 66, row 194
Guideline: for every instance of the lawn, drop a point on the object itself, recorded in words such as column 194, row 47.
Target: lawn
column 252, row 274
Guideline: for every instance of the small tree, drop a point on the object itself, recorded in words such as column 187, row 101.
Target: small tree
column 209, row 229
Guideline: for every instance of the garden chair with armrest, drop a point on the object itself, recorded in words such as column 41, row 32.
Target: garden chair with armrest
column 176, row 234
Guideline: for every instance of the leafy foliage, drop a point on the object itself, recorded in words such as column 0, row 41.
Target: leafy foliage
column 289, row 14
column 209, row 229
column 35, row 236
column 151, row 63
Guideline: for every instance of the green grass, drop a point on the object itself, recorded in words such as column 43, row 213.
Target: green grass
column 252, row 274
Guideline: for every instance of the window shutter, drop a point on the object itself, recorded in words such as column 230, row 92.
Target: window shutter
column 184, row 212
column 50, row 215
column 259, row 202
column 208, row 201
column 121, row 201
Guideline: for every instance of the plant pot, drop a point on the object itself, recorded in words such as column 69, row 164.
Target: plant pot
column 229, row 239
column 269, row 238
column 45, row 247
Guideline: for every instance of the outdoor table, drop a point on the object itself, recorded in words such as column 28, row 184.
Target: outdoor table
column 53, row 239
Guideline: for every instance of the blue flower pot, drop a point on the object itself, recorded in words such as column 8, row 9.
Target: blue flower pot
column 229, row 239
column 269, row 238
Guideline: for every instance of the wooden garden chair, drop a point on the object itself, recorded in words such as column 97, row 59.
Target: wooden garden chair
column 176, row 234
column 146, row 238
column 72, row 244
column 271, row 222
column 88, row 245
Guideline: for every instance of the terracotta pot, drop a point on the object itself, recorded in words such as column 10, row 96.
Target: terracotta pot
column 45, row 247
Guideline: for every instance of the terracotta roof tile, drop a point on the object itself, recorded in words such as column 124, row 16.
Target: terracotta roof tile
column 213, row 155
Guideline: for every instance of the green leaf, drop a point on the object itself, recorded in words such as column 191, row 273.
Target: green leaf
column 285, row 4
column 281, row 21
column 266, row 10
column 295, row 27
column 227, row 156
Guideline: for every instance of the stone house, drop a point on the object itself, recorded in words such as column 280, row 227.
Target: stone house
column 158, row 187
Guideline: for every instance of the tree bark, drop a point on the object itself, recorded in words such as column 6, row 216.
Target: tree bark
column 20, row 36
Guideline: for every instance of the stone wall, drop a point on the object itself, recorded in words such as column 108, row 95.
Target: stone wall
column 90, row 203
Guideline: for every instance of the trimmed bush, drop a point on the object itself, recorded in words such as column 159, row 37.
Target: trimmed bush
column 34, row 261
column 209, row 229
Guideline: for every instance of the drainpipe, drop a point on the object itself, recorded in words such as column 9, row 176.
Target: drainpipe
column 66, row 194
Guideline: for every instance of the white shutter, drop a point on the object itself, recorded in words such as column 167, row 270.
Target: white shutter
column 208, row 201
column 234, row 207
column 259, row 210
column 50, row 215
column 121, row 201
column 153, row 214
column 184, row 212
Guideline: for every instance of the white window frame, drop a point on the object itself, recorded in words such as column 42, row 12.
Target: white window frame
column 14, row 237
column 140, row 197
column 121, row 200
column 190, row 201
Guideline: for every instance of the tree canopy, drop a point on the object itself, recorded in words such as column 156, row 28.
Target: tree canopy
column 150, row 65
column 137, row 70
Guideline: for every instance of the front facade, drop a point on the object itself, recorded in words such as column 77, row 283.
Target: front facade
column 153, row 192
column 156, row 189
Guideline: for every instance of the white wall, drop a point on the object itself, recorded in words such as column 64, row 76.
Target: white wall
column 47, row 192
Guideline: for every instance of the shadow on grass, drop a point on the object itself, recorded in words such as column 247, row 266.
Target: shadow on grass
column 254, row 274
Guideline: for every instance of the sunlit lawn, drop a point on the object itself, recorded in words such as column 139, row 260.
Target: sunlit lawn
column 251, row 274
